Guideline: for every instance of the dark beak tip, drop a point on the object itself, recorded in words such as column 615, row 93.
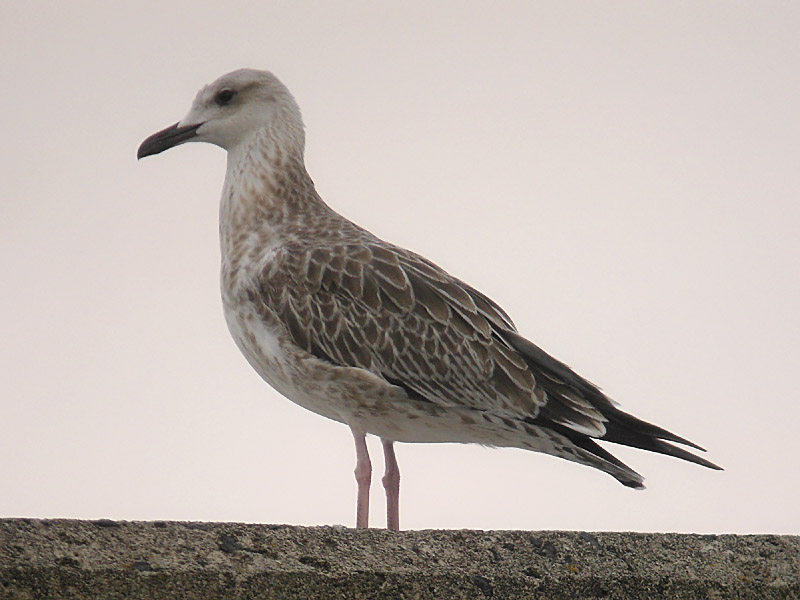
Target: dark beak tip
column 165, row 139
column 143, row 151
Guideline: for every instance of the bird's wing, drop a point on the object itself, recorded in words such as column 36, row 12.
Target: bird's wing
column 396, row 314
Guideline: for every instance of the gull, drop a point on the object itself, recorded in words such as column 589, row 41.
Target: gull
column 370, row 334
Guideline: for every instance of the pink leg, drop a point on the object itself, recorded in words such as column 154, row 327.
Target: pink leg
column 391, row 483
column 363, row 474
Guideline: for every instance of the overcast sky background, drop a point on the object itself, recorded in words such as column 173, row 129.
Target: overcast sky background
column 622, row 177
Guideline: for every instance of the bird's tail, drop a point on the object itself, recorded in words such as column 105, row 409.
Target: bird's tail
column 620, row 427
column 627, row 430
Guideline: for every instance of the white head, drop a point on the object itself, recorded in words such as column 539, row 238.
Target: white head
column 230, row 111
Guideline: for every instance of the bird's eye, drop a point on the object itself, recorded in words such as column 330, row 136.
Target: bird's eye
column 224, row 97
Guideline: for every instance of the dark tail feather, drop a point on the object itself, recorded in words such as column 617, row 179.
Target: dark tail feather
column 627, row 430
column 621, row 428
column 619, row 435
column 588, row 444
column 627, row 426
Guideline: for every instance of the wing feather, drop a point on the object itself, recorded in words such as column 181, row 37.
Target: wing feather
column 398, row 315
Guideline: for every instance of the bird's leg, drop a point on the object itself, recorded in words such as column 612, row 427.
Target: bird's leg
column 391, row 483
column 363, row 474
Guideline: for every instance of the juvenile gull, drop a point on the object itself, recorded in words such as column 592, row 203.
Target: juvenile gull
column 372, row 335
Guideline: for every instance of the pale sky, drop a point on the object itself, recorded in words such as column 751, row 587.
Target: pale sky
column 622, row 177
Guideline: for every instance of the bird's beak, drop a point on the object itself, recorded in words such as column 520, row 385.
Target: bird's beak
column 167, row 138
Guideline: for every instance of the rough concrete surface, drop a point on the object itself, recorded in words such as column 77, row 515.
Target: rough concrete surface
column 118, row 559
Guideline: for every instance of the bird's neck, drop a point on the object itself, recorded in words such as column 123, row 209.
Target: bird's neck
column 267, row 199
column 266, row 183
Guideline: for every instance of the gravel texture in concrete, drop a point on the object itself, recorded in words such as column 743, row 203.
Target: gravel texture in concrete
column 118, row 559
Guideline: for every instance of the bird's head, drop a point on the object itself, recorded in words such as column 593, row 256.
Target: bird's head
column 231, row 110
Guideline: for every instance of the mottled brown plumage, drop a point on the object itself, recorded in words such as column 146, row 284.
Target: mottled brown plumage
column 370, row 334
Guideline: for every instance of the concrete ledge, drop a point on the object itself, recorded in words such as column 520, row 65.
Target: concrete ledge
column 165, row 560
